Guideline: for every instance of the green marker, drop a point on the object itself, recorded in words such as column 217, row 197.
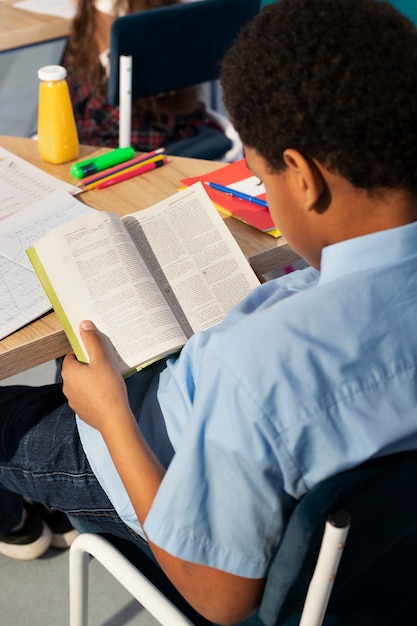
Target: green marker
column 100, row 163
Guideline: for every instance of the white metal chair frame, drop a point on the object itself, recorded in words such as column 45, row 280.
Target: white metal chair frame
column 160, row 607
column 145, row 592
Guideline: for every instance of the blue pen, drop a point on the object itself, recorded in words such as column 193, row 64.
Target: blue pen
column 237, row 194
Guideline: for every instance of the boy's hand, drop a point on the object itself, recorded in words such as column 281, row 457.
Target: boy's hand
column 96, row 392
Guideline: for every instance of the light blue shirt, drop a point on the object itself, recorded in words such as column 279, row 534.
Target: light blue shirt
column 311, row 374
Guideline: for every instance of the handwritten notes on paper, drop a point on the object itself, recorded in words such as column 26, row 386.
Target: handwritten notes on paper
column 31, row 203
column 22, row 298
column 22, row 184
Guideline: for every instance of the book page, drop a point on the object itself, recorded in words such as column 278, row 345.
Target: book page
column 96, row 273
column 193, row 257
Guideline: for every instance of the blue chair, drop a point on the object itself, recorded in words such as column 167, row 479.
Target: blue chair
column 168, row 48
column 375, row 582
column 407, row 8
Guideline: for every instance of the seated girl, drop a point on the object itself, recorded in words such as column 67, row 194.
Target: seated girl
column 155, row 121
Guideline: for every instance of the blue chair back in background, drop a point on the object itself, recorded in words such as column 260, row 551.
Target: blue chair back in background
column 175, row 46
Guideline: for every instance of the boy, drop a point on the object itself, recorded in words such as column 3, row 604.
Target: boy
column 313, row 373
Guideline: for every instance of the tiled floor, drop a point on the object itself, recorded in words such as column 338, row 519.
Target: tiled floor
column 35, row 593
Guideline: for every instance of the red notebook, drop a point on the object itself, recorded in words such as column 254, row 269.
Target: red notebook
column 237, row 176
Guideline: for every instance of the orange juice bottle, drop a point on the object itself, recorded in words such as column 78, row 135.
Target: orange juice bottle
column 57, row 133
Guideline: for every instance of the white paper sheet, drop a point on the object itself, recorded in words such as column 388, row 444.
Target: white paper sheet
column 22, row 184
column 58, row 8
column 22, row 298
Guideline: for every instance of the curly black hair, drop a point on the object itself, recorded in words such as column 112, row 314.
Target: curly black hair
column 335, row 80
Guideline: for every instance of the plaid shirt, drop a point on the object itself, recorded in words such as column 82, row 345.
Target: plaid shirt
column 98, row 122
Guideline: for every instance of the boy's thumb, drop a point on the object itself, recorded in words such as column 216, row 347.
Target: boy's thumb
column 87, row 325
column 92, row 340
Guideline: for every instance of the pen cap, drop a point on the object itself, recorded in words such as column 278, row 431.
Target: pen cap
column 57, row 132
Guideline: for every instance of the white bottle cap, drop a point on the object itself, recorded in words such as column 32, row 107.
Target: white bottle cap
column 52, row 72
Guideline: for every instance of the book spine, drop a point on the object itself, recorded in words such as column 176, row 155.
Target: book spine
column 56, row 304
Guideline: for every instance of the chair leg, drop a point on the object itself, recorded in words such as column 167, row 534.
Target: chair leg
column 321, row 584
column 140, row 587
column 79, row 561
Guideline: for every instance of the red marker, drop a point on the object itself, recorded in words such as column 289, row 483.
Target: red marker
column 134, row 172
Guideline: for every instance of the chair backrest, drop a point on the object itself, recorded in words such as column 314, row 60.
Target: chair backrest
column 375, row 582
column 176, row 46
column 159, row 50
column 407, row 8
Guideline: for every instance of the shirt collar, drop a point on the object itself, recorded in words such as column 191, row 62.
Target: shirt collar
column 368, row 251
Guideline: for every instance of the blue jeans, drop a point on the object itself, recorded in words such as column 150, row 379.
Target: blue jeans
column 41, row 458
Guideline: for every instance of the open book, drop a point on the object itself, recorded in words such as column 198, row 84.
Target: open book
column 148, row 280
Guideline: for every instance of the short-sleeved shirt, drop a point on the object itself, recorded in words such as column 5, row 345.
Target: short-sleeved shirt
column 311, row 374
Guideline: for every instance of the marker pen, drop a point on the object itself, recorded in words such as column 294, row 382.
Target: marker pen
column 114, row 180
column 87, row 180
column 102, row 162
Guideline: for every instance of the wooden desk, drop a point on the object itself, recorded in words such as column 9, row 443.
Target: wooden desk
column 22, row 28
column 45, row 339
